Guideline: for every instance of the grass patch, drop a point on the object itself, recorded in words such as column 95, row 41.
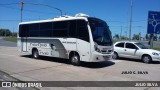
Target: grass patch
column 11, row 39
column 156, row 48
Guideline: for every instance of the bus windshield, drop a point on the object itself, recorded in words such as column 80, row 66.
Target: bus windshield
column 100, row 32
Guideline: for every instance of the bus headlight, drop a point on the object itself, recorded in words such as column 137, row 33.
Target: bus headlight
column 97, row 49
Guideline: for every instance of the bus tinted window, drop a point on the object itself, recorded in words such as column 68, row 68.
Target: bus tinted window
column 72, row 28
column 34, row 30
column 45, row 29
column 46, row 26
column 82, row 30
column 60, row 29
column 23, row 30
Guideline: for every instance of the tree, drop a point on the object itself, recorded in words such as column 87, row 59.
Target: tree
column 8, row 32
column 14, row 34
column 136, row 37
column 155, row 37
column 116, row 36
column 5, row 32
column 147, row 36
column 2, row 32
column 124, row 38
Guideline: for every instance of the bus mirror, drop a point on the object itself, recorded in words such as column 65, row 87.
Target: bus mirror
column 51, row 45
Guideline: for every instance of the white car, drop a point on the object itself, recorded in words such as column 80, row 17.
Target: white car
column 135, row 50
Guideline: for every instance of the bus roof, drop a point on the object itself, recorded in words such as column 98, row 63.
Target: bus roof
column 61, row 18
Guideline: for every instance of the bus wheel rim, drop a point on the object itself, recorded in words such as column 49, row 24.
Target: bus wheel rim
column 35, row 55
column 75, row 59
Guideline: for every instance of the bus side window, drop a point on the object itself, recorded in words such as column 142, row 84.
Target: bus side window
column 23, row 30
column 34, row 30
column 72, row 28
column 82, row 30
column 46, row 29
column 60, row 29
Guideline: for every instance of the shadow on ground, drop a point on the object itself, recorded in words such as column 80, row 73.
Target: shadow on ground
column 66, row 61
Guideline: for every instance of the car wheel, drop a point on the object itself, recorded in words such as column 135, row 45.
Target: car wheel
column 115, row 55
column 146, row 59
column 75, row 59
column 35, row 54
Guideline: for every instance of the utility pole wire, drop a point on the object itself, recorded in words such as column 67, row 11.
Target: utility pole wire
column 22, row 5
column 45, row 5
column 9, row 4
column 28, row 10
column 34, row 4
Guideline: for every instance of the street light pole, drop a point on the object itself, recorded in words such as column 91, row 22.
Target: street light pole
column 130, row 20
column 121, row 33
column 21, row 6
column 13, row 32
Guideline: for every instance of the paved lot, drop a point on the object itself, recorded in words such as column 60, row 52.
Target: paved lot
column 6, row 43
column 25, row 68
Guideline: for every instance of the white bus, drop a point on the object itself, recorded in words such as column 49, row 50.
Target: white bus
column 78, row 38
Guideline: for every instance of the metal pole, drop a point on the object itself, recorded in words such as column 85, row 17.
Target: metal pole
column 126, row 35
column 21, row 6
column 121, row 33
column 139, row 36
column 139, row 33
column 21, row 15
column 151, row 41
column 130, row 21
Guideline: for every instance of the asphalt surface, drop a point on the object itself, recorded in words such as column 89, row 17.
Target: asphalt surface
column 6, row 77
column 6, row 43
column 25, row 68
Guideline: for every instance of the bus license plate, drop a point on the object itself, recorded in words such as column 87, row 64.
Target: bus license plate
column 106, row 57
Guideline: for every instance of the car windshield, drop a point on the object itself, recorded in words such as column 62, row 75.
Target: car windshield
column 100, row 32
column 140, row 45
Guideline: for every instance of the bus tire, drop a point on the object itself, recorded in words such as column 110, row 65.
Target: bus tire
column 75, row 59
column 35, row 53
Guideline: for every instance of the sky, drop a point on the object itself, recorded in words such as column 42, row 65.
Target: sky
column 115, row 12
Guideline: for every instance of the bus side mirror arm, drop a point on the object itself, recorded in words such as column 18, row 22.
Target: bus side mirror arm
column 51, row 45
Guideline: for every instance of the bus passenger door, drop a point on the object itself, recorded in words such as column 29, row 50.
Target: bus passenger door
column 83, row 42
column 24, row 34
column 24, row 44
column 83, row 48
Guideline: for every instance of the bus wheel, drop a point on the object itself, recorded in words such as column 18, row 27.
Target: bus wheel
column 35, row 54
column 75, row 59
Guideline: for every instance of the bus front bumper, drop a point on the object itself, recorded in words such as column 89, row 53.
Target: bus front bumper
column 98, row 57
